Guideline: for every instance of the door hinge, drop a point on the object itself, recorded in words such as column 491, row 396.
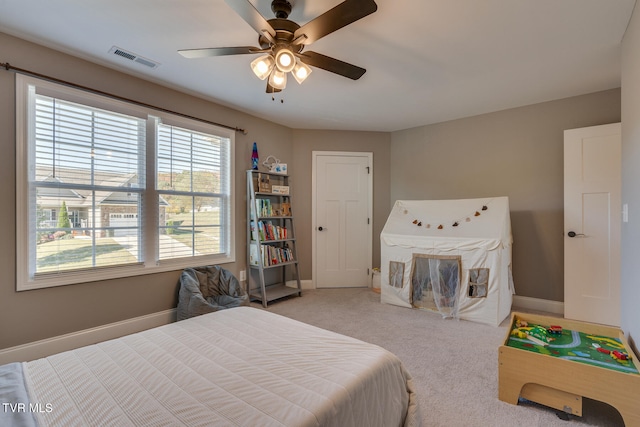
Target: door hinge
column 368, row 220
column 367, row 271
column 368, row 171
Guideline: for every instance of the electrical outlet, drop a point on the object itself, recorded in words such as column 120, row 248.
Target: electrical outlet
column 243, row 275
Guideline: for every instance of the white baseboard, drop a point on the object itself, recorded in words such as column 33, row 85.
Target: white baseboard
column 307, row 284
column 538, row 304
column 49, row 346
column 304, row 284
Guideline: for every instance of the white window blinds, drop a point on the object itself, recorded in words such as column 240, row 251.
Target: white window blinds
column 193, row 192
column 107, row 189
column 87, row 168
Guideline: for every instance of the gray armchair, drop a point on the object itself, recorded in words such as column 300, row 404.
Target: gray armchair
column 208, row 289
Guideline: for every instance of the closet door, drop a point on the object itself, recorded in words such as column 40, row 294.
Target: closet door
column 342, row 205
column 592, row 220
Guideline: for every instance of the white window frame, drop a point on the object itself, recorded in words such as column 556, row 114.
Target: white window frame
column 25, row 246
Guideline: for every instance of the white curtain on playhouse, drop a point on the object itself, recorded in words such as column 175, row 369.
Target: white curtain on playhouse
column 451, row 256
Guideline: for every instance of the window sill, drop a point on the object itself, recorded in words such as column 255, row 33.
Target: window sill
column 50, row 280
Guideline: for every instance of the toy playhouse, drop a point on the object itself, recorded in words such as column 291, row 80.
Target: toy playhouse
column 451, row 256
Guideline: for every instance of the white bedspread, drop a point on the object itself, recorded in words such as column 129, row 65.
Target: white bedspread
column 239, row 367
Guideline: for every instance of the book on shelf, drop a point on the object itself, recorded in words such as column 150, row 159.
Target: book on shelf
column 266, row 230
column 264, row 207
column 269, row 231
column 254, row 230
column 269, row 255
column 254, row 254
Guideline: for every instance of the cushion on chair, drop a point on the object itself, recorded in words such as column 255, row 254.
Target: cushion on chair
column 207, row 289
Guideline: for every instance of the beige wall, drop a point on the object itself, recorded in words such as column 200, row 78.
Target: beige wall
column 516, row 153
column 630, row 289
column 307, row 141
column 38, row 314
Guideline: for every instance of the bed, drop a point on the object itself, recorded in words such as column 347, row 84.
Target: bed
column 239, row 367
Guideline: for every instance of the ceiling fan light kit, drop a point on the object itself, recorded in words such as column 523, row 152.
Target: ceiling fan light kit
column 285, row 61
column 301, row 71
column 262, row 66
column 283, row 41
column 278, row 79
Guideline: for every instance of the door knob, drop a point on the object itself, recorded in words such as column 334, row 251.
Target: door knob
column 320, row 228
column 574, row 234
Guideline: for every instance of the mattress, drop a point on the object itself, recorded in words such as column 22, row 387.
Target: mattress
column 238, row 367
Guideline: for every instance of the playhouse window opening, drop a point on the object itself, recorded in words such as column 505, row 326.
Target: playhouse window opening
column 396, row 273
column 478, row 282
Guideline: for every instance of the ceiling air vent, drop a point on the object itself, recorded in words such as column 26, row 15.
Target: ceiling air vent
column 133, row 57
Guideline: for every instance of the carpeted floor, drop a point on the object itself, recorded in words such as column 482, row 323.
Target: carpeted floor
column 454, row 363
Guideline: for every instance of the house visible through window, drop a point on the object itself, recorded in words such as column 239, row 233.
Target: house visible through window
column 88, row 207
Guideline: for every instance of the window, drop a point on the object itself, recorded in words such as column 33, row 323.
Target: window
column 192, row 190
column 396, row 274
column 107, row 189
column 478, row 282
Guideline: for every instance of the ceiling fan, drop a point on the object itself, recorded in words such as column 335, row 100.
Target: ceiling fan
column 282, row 41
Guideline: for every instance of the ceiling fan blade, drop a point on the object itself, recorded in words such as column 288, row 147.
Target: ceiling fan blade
column 218, row 51
column 250, row 14
column 345, row 13
column 333, row 65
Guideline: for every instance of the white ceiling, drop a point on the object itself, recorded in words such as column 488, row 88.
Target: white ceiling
column 427, row 61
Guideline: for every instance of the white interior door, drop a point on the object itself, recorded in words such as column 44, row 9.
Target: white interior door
column 592, row 204
column 342, row 229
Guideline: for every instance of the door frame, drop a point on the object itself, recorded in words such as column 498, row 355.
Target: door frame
column 314, row 157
